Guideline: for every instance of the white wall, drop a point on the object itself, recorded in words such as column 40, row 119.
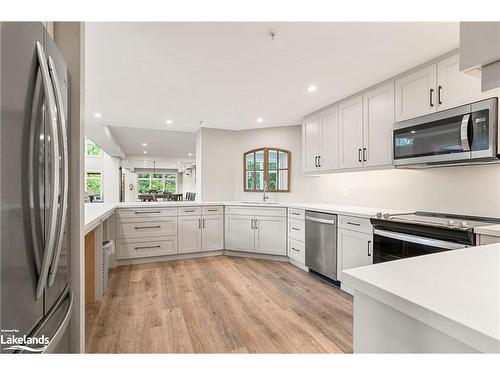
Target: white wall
column 189, row 181
column 130, row 181
column 285, row 137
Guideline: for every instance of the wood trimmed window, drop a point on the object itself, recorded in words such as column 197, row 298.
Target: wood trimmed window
column 267, row 165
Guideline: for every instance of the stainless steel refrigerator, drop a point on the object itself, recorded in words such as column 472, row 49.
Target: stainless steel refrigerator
column 36, row 299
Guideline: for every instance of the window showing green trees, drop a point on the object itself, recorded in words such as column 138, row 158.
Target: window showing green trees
column 266, row 167
column 93, row 183
column 158, row 182
column 91, row 149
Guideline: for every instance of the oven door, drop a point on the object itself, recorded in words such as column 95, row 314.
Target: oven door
column 389, row 246
column 435, row 138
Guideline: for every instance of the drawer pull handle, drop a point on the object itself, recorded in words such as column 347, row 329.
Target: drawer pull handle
column 351, row 223
column 295, row 213
column 146, row 247
column 189, row 211
column 293, row 248
column 213, row 209
column 295, row 228
column 149, row 227
column 146, row 212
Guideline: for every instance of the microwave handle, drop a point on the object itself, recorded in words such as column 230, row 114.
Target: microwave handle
column 464, row 130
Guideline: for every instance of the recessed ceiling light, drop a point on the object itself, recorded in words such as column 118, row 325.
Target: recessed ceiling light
column 144, row 144
column 169, row 122
column 97, row 115
column 190, row 154
column 144, row 152
column 312, row 88
column 260, row 119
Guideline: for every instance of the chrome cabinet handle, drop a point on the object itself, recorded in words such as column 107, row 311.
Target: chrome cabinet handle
column 213, row 209
column 295, row 228
column 439, row 95
column 351, row 223
column 295, row 213
column 63, row 140
column 54, row 195
column 319, row 161
column 147, row 247
column 464, row 127
column 359, row 155
column 293, row 248
column 316, row 161
column 148, row 227
column 369, row 253
column 203, row 223
column 146, row 212
column 189, row 210
column 251, row 224
column 431, row 93
column 255, row 224
column 364, row 154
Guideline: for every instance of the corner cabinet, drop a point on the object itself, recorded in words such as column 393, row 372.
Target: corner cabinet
column 256, row 229
column 200, row 229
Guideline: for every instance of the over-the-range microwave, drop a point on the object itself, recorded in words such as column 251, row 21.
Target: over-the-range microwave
column 461, row 135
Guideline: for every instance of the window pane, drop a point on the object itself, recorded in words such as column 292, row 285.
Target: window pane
column 156, row 185
column 259, row 180
column 143, row 175
column 273, row 159
column 170, row 177
column 250, row 180
column 158, row 175
column 93, row 175
column 170, row 186
column 249, row 161
column 143, row 186
column 93, row 149
column 283, row 160
column 94, row 183
column 283, row 180
column 259, row 160
column 272, row 183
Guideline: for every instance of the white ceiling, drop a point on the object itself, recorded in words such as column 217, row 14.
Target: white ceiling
column 139, row 75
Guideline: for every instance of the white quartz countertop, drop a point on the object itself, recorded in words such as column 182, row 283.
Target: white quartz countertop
column 491, row 230
column 456, row 292
column 94, row 212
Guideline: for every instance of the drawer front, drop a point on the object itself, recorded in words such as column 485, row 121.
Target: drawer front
column 296, row 250
column 357, row 224
column 295, row 213
column 296, row 229
column 189, row 211
column 212, row 210
column 141, row 249
column 256, row 211
column 147, row 229
column 146, row 212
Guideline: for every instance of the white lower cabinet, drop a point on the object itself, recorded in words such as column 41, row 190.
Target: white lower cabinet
column 212, row 233
column 140, row 248
column 354, row 249
column 256, row 233
column 270, row 235
column 189, row 233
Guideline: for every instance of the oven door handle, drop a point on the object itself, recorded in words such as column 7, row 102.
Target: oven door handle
column 419, row 240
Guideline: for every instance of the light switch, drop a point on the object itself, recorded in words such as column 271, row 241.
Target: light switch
column 345, row 193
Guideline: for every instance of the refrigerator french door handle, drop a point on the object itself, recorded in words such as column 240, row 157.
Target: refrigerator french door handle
column 33, row 170
column 64, row 178
column 464, row 128
column 50, row 240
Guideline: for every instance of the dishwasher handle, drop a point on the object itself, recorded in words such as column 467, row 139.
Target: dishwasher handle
column 322, row 221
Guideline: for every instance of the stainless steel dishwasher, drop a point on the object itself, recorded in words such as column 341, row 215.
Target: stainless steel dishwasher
column 321, row 243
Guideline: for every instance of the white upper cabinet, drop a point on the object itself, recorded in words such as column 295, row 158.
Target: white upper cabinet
column 351, row 133
column 310, row 143
column 329, row 139
column 456, row 88
column 378, row 121
column 416, row 94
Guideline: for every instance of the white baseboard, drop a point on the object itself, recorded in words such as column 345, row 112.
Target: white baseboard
column 166, row 258
column 302, row 266
column 243, row 254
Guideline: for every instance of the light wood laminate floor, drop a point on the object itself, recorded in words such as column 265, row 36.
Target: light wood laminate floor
column 219, row 304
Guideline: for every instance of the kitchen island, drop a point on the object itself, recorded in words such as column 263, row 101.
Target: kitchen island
column 447, row 302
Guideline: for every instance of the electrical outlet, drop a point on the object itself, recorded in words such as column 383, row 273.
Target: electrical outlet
column 345, row 193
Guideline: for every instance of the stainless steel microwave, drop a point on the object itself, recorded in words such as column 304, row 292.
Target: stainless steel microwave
column 455, row 136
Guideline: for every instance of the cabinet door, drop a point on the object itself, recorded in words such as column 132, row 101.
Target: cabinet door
column 189, row 228
column 310, row 142
column 329, row 139
column 239, row 234
column 456, row 88
column 270, row 235
column 212, row 233
column 416, row 94
column 351, row 133
column 355, row 249
column 378, row 120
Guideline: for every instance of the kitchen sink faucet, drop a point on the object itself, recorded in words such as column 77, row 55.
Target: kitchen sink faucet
column 265, row 197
